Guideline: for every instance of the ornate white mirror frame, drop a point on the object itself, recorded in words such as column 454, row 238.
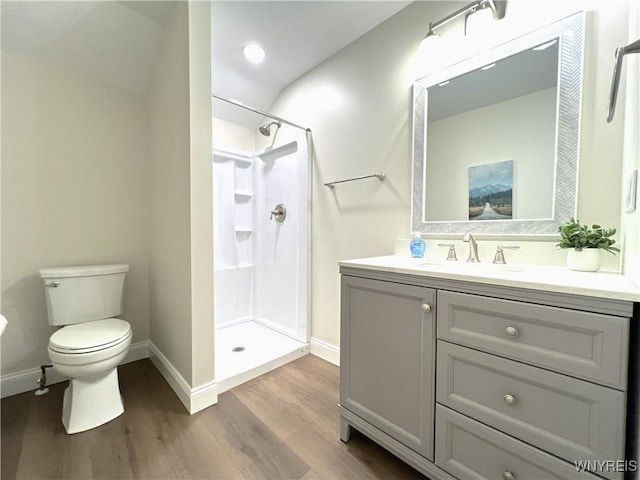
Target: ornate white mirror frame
column 570, row 33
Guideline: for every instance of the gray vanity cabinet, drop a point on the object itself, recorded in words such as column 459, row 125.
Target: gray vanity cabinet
column 466, row 380
column 387, row 359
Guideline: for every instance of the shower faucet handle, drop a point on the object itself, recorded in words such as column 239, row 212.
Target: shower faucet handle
column 279, row 213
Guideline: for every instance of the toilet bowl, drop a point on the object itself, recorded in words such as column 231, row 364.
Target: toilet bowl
column 88, row 353
column 91, row 343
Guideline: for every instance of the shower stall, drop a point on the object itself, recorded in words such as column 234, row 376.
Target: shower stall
column 261, row 251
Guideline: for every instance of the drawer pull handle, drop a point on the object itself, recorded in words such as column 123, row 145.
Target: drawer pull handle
column 508, row 475
column 426, row 307
column 510, row 400
column 511, row 331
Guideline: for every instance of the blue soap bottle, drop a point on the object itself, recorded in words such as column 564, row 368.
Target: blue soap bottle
column 417, row 246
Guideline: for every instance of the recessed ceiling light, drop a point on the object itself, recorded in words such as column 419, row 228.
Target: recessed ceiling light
column 254, row 53
column 544, row 46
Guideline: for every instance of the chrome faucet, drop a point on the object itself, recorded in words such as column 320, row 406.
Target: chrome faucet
column 473, row 248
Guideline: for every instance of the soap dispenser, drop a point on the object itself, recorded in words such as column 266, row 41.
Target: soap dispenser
column 417, row 246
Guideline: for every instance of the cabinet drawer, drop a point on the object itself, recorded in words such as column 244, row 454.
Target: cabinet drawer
column 571, row 418
column 467, row 449
column 585, row 345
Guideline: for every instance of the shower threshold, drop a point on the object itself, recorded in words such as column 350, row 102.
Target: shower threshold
column 248, row 350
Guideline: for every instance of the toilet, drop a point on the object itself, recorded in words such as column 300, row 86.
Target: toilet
column 85, row 302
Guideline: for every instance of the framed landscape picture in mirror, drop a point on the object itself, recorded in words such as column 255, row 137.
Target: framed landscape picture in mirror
column 491, row 191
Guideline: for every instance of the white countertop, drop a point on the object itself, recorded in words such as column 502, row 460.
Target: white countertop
column 536, row 277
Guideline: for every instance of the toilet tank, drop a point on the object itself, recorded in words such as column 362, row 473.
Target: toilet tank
column 82, row 294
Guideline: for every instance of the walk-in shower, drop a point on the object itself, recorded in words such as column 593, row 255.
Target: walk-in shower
column 261, row 253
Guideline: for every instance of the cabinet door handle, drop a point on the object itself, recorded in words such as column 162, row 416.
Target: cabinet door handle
column 426, row 308
column 511, row 331
column 508, row 475
column 510, row 400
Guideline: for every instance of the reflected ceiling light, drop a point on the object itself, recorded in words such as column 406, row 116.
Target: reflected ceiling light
column 544, row 46
column 254, row 53
column 487, row 67
column 444, row 83
column 484, row 8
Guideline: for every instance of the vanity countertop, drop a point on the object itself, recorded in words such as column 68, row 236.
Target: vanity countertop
column 536, row 277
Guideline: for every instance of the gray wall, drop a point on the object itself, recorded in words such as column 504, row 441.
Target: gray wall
column 75, row 190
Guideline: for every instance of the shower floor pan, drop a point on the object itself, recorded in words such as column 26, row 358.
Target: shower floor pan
column 248, row 350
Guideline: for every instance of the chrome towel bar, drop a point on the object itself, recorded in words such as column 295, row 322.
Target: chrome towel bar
column 617, row 68
column 379, row 176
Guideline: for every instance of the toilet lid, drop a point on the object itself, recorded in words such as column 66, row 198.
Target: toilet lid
column 90, row 336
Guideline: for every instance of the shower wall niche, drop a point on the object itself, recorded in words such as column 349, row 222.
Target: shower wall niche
column 260, row 265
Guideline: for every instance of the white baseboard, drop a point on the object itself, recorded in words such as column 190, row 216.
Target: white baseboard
column 193, row 400
column 325, row 351
column 137, row 351
column 24, row 381
column 203, row 396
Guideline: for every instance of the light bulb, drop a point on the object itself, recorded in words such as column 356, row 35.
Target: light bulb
column 254, row 53
column 478, row 21
column 431, row 41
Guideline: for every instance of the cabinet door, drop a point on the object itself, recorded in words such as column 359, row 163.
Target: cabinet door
column 387, row 355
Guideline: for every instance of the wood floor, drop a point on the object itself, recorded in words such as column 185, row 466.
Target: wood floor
column 283, row 425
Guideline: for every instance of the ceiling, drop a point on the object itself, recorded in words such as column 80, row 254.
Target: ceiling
column 119, row 41
column 297, row 36
column 521, row 74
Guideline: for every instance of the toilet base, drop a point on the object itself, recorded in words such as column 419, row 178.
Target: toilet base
column 91, row 401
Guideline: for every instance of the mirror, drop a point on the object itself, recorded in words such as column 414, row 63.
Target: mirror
column 496, row 137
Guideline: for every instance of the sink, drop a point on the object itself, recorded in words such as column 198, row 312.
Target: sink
column 470, row 268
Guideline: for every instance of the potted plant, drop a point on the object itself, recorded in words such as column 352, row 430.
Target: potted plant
column 584, row 244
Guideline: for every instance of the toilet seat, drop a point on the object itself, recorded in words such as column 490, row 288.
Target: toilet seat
column 90, row 337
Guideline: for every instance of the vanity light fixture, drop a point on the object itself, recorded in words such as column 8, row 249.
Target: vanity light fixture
column 430, row 39
column 496, row 8
column 478, row 19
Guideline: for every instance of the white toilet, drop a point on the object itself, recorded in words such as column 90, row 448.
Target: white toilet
column 91, row 344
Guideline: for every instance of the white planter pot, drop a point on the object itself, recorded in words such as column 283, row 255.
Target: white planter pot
column 585, row 260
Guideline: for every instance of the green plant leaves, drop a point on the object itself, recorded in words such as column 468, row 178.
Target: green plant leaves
column 574, row 235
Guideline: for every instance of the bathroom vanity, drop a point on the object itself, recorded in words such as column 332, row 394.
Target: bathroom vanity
column 483, row 371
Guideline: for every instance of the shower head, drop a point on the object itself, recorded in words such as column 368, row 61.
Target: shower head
column 266, row 128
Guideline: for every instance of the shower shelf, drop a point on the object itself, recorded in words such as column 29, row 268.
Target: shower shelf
column 270, row 154
column 243, row 195
column 239, row 158
column 243, row 229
